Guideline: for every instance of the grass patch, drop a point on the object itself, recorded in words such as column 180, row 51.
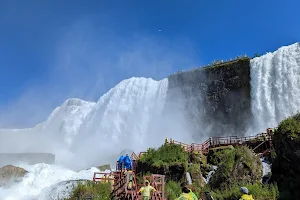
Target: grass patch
column 258, row 191
column 172, row 190
column 290, row 127
column 95, row 191
column 166, row 155
column 219, row 156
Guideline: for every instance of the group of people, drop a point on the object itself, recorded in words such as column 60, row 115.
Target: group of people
column 188, row 194
column 125, row 162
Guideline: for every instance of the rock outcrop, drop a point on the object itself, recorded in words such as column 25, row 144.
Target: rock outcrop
column 238, row 165
column 170, row 160
column 10, row 174
column 216, row 99
column 285, row 167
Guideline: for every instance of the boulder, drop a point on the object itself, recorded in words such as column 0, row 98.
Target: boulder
column 10, row 174
column 238, row 165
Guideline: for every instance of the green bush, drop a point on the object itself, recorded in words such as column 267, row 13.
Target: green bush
column 172, row 190
column 225, row 160
column 285, row 163
column 166, row 155
column 96, row 191
column 258, row 191
column 235, row 166
column 290, row 126
column 217, row 157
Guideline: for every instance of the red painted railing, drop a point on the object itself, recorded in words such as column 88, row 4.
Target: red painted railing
column 219, row 141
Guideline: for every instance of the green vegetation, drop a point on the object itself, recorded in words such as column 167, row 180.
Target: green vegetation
column 172, row 190
column 286, row 158
column 228, row 64
column 95, row 191
column 197, row 179
column 238, row 165
column 166, row 155
column 258, row 191
column 290, row 127
column 205, row 169
column 217, row 157
column 218, row 63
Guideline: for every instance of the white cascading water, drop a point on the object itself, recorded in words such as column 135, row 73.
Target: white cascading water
column 188, row 178
column 85, row 134
column 122, row 119
column 275, row 87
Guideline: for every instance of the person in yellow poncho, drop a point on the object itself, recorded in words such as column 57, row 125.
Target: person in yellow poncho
column 246, row 195
column 191, row 193
column 186, row 194
column 146, row 190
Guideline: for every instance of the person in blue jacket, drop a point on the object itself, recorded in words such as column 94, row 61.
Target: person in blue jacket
column 127, row 162
column 120, row 162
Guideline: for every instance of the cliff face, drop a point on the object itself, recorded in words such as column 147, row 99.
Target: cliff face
column 216, row 99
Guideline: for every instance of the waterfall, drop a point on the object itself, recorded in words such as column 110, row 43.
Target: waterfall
column 275, row 86
column 188, row 178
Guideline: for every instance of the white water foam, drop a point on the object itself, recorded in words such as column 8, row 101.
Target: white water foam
column 275, row 87
column 42, row 178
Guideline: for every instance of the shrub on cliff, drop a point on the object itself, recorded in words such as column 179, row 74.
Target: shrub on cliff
column 285, row 167
column 258, row 191
column 91, row 190
column 172, row 190
column 238, row 165
column 166, row 155
column 170, row 160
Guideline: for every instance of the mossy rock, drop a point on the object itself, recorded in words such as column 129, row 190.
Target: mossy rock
column 205, row 169
column 170, row 160
column 217, row 155
column 285, row 167
column 194, row 158
column 196, row 175
column 238, row 165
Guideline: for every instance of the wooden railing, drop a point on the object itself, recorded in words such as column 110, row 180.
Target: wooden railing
column 218, row 141
column 229, row 140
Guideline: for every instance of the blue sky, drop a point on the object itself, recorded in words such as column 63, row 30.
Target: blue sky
column 54, row 50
